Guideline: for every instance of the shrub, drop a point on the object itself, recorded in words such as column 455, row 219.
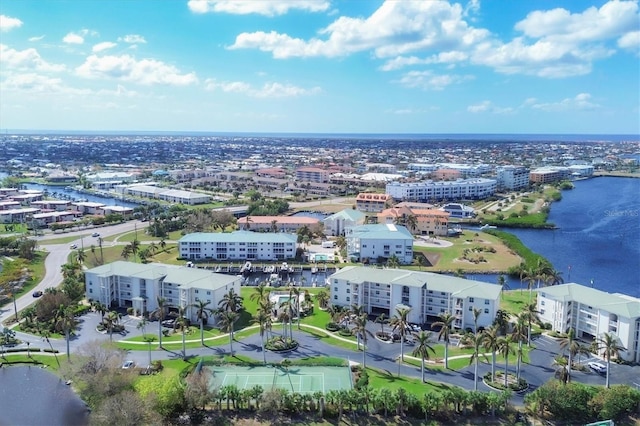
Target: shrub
column 332, row 326
column 344, row 331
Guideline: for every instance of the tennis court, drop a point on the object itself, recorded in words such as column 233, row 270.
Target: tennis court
column 295, row 379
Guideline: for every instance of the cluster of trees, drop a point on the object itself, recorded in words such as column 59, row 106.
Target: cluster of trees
column 580, row 403
column 18, row 246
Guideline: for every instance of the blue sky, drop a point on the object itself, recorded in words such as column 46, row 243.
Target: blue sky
column 350, row 66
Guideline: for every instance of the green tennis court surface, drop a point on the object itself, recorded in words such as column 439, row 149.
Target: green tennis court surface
column 299, row 379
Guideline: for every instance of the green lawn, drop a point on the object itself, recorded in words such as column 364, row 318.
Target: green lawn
column 385, row 379
column 514, row 301
column 63, row 240
column 111, row 254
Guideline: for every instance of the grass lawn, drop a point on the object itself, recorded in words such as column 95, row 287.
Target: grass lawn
column 514, row 301
column 63, row 240
column 111, row 254
column 36, row 268
column 48, row 360
column 451, row 257
column 386, row 379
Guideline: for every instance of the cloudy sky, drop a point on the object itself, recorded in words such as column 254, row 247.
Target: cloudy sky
column 359, row 66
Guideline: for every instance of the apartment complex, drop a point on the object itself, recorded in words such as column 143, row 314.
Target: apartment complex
column 379, row 241
column 338, row 223
column 369, row 202
column 428, row 295
column 425, row 191
column 136, row 285
column 591, row 312
column 312, row 174
column 238, row 245
column 427, row 221
column 512, row 177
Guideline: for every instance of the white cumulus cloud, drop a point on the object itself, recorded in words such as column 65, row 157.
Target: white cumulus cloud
column 260, row 7
column 268, row 90
column 36, row 38
column 128, row 68
column 440, row 58
column 630, row 40
column 133, row 39
column 7, row 23
column 427, row 80
column 73, row 38
column 105, row 45
column 395, row 28
column 581, row 101
column 28, row 59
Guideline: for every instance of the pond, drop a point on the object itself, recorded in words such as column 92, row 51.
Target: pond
column 30, row 395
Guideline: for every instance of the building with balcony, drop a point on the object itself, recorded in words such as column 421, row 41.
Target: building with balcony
column 312, row 174
column 591, row 312
column 337, row 223
column 373, row 242
column 127, row 284
column 238, row 245
column 512, row 177
column 425, row 221
column 427, row 294
column 429, row 191
column 369, row 202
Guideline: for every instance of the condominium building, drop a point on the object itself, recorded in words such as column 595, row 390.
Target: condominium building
column 312, row 174
column 238, row 245
column 427, row 294
column 138, row 286
column 369, row 202
column 427, row 221
column 512, row 177
column 379, row 241
column 591, row 312
column 468, row 189
column 337, row 223
column 549, row 174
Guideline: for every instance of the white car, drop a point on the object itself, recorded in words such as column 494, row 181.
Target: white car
column 128, row 365
column 598, row 367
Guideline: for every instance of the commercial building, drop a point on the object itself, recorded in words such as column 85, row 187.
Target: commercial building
column 426, row 191
column 312, row 174
column 549, row 174
column 425, row 221
column 512, row 177
column 127, row 284
column 591, row 312
column 427, row 294
column 458, row 211
column 238, row 245
column 379, row 241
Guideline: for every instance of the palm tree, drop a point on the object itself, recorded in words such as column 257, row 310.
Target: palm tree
column 231, row 301
column 360, row 330
column 400, row 324
column 263, row 319
column 142, row 325
column 531, row 314
column 382, row 319
column 502, row 282
column 126, row 252
column 45, row 335
column 491, row 339
column 411, row 222
column 569, row 342
column 227, row 321
column 476, row 315
column 183, row 323
column 296, row 300
column 159, row 312
column 81, row 256
column 134, row 247
column 446, row 327
column 101, row 253
column 260, row 293
column 608, row 342
column 111, row 320
column 476, row 341
column 505, row 348
column 67, row 322
column 560, row 362
column 519, row 334
column 393, row 261
column 323, row 299
column 202, row 313
column 423, row 347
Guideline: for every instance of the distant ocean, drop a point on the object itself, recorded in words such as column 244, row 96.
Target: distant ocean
column 462, row 137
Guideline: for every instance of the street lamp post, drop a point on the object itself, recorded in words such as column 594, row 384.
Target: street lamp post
column 28, row 350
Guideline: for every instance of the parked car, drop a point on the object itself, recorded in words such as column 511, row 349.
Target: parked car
column 598, row 367
column 95, row 234
column 73, row 246
column 36, row 293
column 170, row 323
column 128, row 365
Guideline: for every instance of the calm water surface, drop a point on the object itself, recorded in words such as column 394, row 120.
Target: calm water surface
column 33, row 396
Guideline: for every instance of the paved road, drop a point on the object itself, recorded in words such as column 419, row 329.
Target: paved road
column 58, row 256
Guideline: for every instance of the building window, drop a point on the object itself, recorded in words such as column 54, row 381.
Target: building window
column 348, row 298
column 442, row 302
column 470, row 308
column 486, row 310
column 90, row 290
column 542, row 303
column 335, row 297
column 335, row 289
column 196, row 293
column 542, row 313
column 486, row 302
column 471, row 300
column 348, row 291
column 208, row 293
